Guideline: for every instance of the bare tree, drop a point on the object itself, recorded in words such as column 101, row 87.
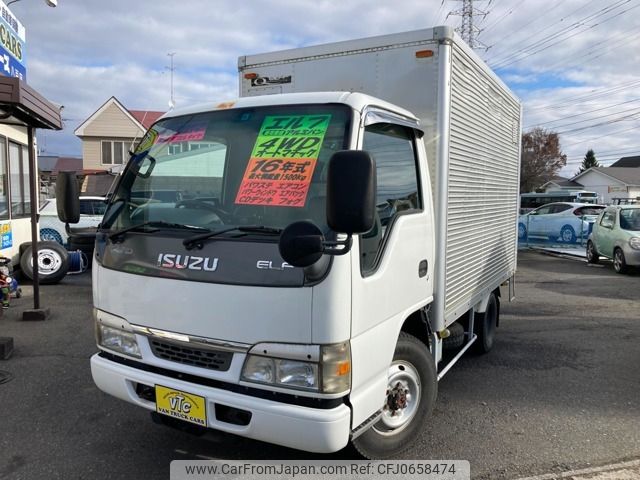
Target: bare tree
column 541, row 158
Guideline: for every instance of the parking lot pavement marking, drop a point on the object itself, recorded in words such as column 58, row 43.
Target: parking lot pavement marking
column 615, row 471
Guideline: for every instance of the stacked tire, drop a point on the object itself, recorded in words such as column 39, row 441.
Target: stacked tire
column 53, row 262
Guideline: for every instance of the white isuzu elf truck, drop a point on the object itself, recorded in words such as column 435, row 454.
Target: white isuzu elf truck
column 324, row 249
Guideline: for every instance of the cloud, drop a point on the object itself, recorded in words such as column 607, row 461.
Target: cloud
column 81, row 53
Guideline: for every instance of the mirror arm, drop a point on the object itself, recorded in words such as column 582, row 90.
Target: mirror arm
column 333, row 247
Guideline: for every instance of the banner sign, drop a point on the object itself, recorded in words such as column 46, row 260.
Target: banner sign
column 12, row 45
column 6, row 235
column 283, row 160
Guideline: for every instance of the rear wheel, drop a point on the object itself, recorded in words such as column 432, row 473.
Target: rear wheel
column 485, row 325
column 411, row 394
column 619, row 262
column 567, row 234
column 592, row 254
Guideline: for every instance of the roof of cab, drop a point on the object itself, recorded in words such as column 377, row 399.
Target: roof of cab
column 357, row 101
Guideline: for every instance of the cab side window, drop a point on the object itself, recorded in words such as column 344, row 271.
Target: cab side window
column 86, row 208
column 392, row 148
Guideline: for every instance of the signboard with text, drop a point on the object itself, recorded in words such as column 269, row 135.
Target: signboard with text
column 12, row 45
column 6, row 236
column 283, row 160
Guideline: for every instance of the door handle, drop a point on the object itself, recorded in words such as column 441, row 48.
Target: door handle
column 423, row 268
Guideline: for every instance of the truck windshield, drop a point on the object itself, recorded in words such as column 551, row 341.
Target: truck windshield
column 237, row 167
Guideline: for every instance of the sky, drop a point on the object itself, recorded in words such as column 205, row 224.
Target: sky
column 575, row 64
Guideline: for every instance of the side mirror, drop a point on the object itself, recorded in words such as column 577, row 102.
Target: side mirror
column 301, row 244
column 351, row 192
column 68, row 197
column 351, row 195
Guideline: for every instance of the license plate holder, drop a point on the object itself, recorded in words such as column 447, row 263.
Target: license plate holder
column 181, row 405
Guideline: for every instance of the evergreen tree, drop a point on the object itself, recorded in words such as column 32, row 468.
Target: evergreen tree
column 588, row 162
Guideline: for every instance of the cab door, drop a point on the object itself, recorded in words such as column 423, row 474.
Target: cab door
column 392, row 264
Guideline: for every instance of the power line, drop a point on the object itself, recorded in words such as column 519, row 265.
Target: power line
column 528, row 24
column 608, row 134
column 596, row 93
column 582, row 113
column 609, row 122
column 591, row 50
column 531, row 49
column 490, row 26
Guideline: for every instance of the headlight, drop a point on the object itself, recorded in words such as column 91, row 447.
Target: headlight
column 327, row 371
column 112, row 334
column 634, row 242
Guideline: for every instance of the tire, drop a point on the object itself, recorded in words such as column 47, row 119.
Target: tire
column 53, row 262
column 50, row 235
column 568, row 234
column 592, row 253
column 455, row 338
column 619, row 262
column 412, row 369
column 485, row 325
column 522, row 231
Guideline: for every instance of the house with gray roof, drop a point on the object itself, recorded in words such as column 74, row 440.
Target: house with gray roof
column 611, row 183
column 559, row 184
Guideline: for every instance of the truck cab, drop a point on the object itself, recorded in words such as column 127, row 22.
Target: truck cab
column 204, row 315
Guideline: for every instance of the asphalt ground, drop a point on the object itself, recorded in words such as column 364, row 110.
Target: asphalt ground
column 560, row 390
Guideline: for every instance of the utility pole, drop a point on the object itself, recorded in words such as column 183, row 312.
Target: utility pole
column 172, row 102
column 467, row 29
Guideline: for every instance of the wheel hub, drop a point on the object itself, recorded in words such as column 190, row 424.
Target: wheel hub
column 48, row 262
column 402, row 399
column 397, row 398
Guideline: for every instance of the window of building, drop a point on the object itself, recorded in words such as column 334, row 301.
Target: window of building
column 19, row 173
column 4, row 191
column 392, row 148
column 113, row 152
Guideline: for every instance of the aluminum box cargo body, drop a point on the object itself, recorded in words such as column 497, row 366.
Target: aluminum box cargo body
column 472, row 125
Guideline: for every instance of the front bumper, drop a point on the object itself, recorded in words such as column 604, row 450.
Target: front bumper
column 294, row 426
column 631, row 256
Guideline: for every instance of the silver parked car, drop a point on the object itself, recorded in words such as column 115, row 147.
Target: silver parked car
column 562, row 221
column 616, row 235
column 51, row 228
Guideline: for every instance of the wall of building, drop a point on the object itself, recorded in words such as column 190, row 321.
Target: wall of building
column 112, row 122
column 92, row 151
column 606, row 187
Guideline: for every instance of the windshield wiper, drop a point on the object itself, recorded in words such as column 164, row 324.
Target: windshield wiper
column 157, row 225
column 191, row 242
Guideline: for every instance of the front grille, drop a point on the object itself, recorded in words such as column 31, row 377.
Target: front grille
column 197, row 357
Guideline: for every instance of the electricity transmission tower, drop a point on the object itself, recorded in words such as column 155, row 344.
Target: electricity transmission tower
column 468, row 30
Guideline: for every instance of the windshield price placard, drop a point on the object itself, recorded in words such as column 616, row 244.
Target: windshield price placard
column 283, row 160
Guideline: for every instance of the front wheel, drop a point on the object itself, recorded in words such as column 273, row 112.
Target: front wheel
column 522, row 232
column 411, row 394
column 619, row 262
